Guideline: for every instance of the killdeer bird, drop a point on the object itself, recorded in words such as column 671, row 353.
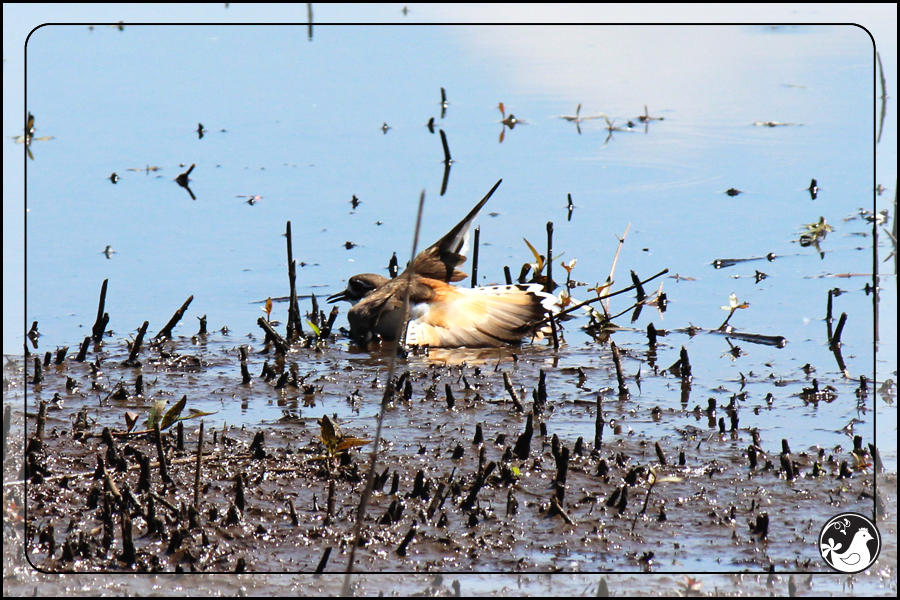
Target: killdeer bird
column 442, row 315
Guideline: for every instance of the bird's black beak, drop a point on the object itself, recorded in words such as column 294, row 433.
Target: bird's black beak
column 338, row 297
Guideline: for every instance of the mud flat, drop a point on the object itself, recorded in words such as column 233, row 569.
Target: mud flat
column 571, row 477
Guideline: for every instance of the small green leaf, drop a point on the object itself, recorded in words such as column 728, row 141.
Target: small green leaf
column 155, row 412
column 314, row 328
column 537, row 256
column 173, row 413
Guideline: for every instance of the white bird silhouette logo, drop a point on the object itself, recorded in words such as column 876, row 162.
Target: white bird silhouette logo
column 853, row 558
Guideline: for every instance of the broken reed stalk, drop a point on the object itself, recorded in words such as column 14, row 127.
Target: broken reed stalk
column 620, row 375
column 599, row 424
column 136, row 344
column 97, row 330
column 37, row 440
column 128, row 553
column 314, row 313
column 197, row 475
column 326, row 330
column 838, row 331
column 597, row 299
column 554, row 334
column 161, row 454
column 329, row 503
column 294, row 326
column 281, row 346
column 475, row 257
column 388, row 388
column 38, row 375
column 166, row 331
column 82, row 352
column 507, row 383
column 685, row 362
column 320, row 568
column 549, row 286
column 641, row 295
column 835, row 345
column 612, row 271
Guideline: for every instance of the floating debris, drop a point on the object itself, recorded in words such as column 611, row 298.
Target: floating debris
column 577, row 119
column 774, row 124
column 251, row 200
column 508, row 121
column 148, row 169
column 646, row 118
column 612, row 127
column 29, row 136
column 815, row 233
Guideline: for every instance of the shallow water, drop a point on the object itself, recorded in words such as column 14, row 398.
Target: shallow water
column 303, row 130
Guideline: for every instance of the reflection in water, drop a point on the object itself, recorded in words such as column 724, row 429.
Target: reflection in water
column 183, row 180
column 646, row 118
column 469, row 356
column 612, row 127
column 147, row 170
column 508, row 121
column 815, row 234
column 447, row 162
column 29, row 136
column 577, row 119
column 774, row 124
column 722, row 263
column 253, row 199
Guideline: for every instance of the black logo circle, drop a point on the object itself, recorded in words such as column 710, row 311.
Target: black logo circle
column 849, row 542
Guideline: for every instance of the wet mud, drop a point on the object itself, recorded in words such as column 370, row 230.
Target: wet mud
column 570, row 477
